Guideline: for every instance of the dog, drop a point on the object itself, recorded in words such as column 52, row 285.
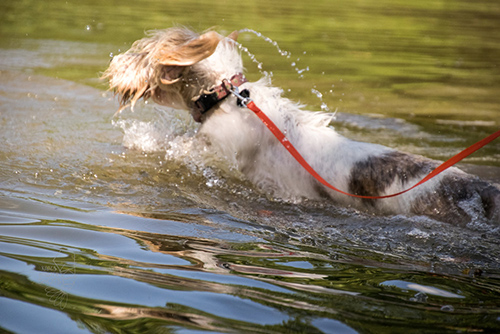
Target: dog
column 185, row 70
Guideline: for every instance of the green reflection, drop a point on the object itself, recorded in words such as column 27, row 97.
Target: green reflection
column 356, row 296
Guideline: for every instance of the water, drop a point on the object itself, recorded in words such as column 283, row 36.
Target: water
column 129, row 224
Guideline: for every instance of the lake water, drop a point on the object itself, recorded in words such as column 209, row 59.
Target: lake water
column 122, row 225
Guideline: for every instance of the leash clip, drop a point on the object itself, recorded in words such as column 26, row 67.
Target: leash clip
column 243, row 96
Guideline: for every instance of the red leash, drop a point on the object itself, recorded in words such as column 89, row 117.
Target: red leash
column 284, row 141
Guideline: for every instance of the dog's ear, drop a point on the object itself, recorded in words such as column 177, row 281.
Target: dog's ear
column 234, row 35
column 174, row 61
column 193, row 51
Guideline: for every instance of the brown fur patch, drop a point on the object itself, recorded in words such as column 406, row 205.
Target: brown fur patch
column 372, row 176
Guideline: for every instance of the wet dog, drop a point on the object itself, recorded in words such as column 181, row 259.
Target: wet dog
column 181, row 69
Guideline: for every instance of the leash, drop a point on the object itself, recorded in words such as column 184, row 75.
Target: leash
column 244, row 100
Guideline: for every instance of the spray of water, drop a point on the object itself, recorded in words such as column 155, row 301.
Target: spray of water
column 253, row 59
column 267, row 39
column 300, row 71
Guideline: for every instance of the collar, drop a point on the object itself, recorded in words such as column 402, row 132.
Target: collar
column 218, row 93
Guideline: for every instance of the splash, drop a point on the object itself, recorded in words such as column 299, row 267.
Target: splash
column 253, row 58
column 267, row 39
column 155, row 128
column 294, row 64
column 283, row 53
column 173, row 132
column 319, row 95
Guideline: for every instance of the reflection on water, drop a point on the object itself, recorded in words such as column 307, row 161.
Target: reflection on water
column 106, row 277
column 128, row 225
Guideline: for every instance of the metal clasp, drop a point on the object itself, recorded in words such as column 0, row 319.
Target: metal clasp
column 243, row 97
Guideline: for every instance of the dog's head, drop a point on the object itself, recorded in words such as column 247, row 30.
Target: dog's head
column 172, row 67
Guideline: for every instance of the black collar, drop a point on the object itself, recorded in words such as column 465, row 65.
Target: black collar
column 218, row 93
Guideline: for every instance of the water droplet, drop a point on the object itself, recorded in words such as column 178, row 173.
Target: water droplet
column 317, row 93
column 447, row 308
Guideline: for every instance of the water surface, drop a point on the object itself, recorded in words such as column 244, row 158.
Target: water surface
column 123, row 224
